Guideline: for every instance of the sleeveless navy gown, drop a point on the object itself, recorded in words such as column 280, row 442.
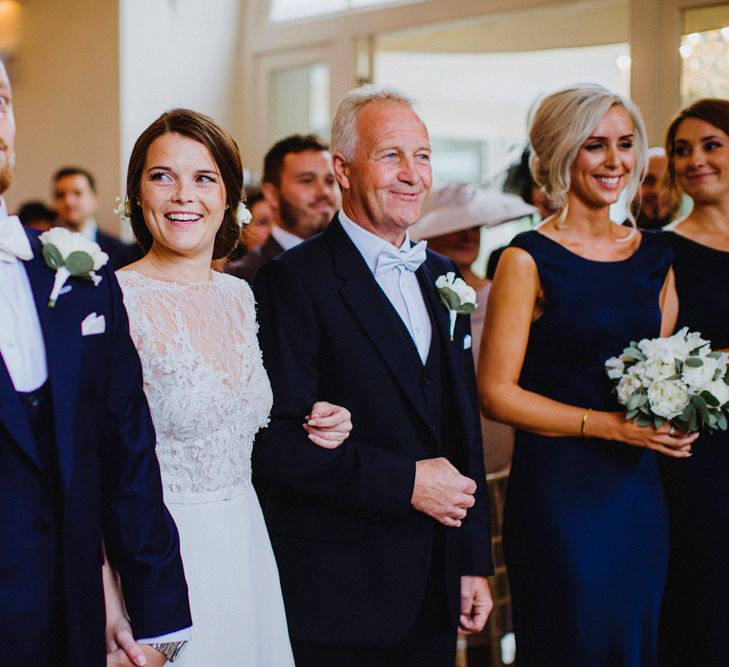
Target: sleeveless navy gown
column 695, row 622
column 585, row 526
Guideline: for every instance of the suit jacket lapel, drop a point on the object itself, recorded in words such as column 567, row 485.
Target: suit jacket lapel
column 378, row 318
column 13, row 417
column 454, row 348
column 61, row 335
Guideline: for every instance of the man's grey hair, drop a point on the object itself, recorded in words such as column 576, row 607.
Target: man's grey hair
column 344, row 126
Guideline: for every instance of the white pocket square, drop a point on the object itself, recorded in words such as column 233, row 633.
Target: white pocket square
column 467, row 342
column 93, row 324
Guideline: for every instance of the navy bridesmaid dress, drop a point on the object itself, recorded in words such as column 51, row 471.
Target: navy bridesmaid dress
column 695, row 621
column 586, row 527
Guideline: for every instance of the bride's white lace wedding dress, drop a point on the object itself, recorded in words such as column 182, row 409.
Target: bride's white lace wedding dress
column 209, row 395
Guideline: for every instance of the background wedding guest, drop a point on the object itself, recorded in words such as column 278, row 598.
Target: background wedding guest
column 257, row 231
column 519, row 181
column 77, row 462
column 379, row 543
column 36, row 215
column 651, row 205
column 585, row 526
column 696, row 604
column 302, row 194
column 452, row 227
column 195, row 330
column 76, row 202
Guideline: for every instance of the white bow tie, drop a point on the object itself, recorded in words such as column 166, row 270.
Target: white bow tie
column 410, row 260
column 14, row 243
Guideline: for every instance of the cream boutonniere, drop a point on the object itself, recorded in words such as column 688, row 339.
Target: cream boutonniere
column 458, row 297
column 70, row 254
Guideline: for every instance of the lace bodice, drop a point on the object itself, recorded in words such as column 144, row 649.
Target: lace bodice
column 204, row 379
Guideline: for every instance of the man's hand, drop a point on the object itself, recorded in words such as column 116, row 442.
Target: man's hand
column 441, row 491
column 123, row 651
column 476, row 604
column 152, row 658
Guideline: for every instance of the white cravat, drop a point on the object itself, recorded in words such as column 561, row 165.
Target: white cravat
column 394, row 271
column 21, row 338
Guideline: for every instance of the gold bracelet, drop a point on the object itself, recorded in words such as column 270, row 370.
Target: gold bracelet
column 585, row 415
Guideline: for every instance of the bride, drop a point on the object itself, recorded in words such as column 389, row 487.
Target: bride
column 195, row 330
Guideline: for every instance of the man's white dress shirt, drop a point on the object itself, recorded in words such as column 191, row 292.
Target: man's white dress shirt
column 285, row 238
column 21, row 338
column 399, row 285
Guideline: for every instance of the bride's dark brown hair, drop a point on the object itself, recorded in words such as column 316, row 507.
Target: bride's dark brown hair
column 224, row 150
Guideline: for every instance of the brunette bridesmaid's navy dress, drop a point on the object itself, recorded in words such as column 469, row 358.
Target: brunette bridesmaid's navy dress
column 695, row 622
column 586, row 527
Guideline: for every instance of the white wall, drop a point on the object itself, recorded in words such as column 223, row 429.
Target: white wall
column 178, row 53
column 66, row 88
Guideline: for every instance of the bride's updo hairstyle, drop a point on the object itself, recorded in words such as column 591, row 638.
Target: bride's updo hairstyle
column 224, row 150
column 560, row 126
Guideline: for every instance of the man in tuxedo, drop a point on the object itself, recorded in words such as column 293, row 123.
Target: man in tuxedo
column 76, row 201
column 301, row 192
column 77, row 464
column 383, row 543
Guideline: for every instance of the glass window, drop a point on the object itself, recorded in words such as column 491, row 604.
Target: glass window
column 290, row 10
column 299, row 101
column 705, row 54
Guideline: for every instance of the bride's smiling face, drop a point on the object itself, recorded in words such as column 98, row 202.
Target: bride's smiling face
column 182, row 195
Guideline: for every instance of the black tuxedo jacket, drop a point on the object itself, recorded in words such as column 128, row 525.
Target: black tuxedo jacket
column 247, row 266
column 109, row 488
column 352, row 554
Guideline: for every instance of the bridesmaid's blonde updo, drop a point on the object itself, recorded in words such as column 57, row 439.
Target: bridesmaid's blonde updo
column 562, row 123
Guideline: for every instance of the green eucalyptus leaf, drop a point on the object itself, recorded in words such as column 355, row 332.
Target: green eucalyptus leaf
column 688, row 413
column 643, row 420
column 658, row 421
column 694, row 362
column 630, row 414
column 714, row 355
column 710, row 399
column 721, row 420
column 635, row 401
column 53, row 256
column 449, row 298
column 78, row 263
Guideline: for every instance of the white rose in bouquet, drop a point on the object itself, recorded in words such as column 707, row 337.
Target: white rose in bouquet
column 627, row 386
column 720, row 391
column 668, row 398
column 615, row 367
column 698, row 377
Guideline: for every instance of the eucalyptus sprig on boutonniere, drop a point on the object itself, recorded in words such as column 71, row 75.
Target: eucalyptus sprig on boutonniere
column 71, row 254
column 457, row 296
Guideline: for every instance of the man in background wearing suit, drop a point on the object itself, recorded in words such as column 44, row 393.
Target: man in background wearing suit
column 383, row 544
column 302, row 194
column 78, row 470
column 74, row 194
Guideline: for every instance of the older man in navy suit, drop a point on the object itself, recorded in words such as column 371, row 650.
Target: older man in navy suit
column 77, row 463
column 383, row 543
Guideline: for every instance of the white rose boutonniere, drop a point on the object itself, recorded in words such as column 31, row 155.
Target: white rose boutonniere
column 70, row 254
column 458, row 297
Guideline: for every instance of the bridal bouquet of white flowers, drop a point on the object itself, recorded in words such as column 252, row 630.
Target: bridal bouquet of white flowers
column 676, row 379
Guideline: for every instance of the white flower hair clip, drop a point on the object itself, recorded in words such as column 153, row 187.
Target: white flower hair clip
column 123, row 208
column 242, row 215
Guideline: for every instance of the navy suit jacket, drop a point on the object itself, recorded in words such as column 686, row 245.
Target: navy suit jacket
column 109, row 487
column 120, row 253
column 352, row 554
